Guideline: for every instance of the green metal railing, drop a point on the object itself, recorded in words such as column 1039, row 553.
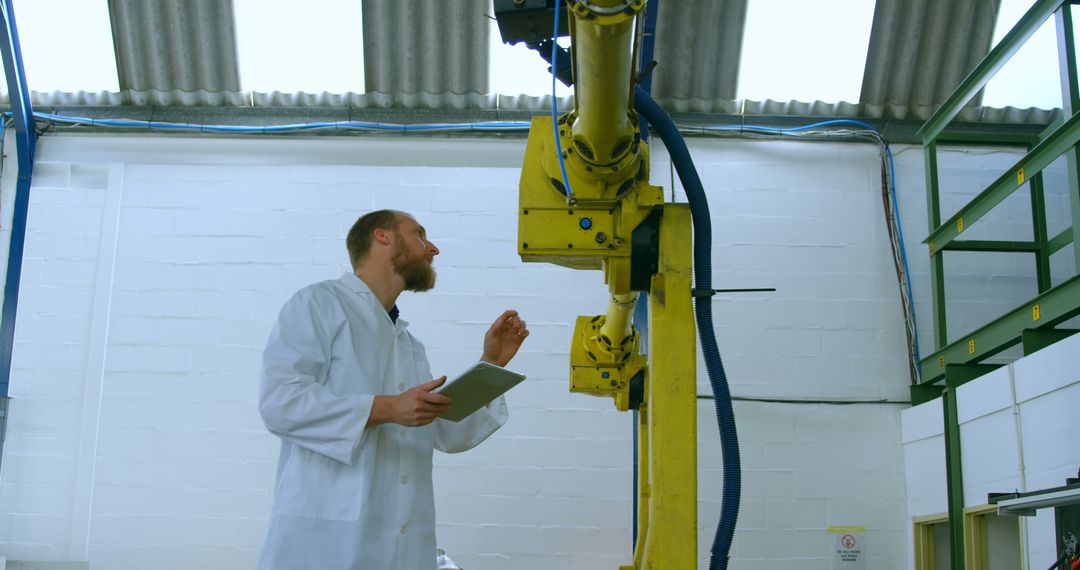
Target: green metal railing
column 1053, row 304
column 1033, row 323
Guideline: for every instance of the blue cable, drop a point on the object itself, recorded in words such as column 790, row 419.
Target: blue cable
column 344, row 125
column 903, row 254
column 791, row 129
column 554, row 111
column 892, row 197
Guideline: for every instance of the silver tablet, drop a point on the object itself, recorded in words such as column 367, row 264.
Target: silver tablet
column 476, row 387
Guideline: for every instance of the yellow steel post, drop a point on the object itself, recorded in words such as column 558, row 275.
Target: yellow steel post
column 643, row 489
column 643, row 485
column 671, row 404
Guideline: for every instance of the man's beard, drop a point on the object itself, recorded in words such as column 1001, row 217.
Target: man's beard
column 417, row 273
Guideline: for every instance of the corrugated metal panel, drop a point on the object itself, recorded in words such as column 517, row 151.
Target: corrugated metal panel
column 1030, row 116
column 696, row 105
column 424, row 101
column 183, row 45
column 1007, row 115
column 920, row 51
column 150, row 97
column 800, row 108
column 429, row 101
column 417, row 48
column 698, row 47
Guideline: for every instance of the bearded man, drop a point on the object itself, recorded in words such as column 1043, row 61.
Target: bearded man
column 350, row 393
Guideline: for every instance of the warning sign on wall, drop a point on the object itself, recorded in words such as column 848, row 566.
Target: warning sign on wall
column 848, row 551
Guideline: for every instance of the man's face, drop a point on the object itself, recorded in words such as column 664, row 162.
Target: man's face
column 413, row 255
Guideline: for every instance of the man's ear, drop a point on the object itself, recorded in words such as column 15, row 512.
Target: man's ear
column 382, row 236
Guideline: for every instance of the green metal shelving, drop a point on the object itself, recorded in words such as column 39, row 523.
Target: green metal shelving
column 1053, row 304
column 1033, row 323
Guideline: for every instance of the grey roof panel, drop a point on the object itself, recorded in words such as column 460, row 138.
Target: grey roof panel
column 422, row 46
column 183, row 45
column 698, row 47
column 920, row 51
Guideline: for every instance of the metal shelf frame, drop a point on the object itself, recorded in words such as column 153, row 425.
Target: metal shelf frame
column 1033, row 323
column 1053, row 304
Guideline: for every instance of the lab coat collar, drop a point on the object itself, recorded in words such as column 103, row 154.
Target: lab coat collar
column 357, row 285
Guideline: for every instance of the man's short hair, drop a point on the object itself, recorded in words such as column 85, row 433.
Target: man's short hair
column 358, row 242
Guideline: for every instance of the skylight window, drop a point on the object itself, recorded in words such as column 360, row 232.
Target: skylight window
column 66, row 45
column 314, row 46
column 516, row 70
column 805, row 51
column 1031, row 78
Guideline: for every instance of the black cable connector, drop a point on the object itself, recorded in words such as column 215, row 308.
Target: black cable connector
column 647, row 70
column 701, row 293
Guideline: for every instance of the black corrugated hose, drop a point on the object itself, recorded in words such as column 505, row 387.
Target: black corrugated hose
column 725, row 415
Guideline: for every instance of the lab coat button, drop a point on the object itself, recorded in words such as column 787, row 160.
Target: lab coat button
column 404, row 479
column 403, row 529
column 402, row 434
column 401, row 386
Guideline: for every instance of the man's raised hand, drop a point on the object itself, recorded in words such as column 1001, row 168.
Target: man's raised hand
column 504, row 338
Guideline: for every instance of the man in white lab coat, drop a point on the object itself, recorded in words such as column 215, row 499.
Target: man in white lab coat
column 349, row 391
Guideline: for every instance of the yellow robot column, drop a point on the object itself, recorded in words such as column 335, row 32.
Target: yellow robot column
column 667, row 429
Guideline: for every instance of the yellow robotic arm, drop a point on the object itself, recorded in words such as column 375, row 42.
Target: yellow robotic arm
column 605, row 215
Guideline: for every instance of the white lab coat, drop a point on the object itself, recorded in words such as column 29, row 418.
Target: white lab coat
column 348, row 497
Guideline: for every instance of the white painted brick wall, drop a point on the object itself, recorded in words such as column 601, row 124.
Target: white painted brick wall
column 804, row 219
column 214, row 234
column 996, row 457
column 50, row 358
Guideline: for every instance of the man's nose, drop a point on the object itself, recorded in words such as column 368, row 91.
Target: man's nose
column 432, row 249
